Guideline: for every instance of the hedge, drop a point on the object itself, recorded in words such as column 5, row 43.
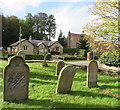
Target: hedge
column 70, row 50
column 72, row 58
column 34, row 57
column 110, row 58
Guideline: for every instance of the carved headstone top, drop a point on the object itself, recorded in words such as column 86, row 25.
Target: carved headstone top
column 92, row 70
column 22, row 54
column 59, row 66
column 15, row 79
column 65, row 79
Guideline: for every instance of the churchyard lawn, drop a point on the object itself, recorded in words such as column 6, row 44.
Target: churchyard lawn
column 42, row 90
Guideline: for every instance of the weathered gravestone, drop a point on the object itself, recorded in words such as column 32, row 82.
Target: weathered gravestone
column 15, row 80
column 65, row 79
column 92, row 70
column 59, row 66
column 22, row 54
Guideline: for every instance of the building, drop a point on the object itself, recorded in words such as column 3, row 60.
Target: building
column 35, row 47
column 73, row 39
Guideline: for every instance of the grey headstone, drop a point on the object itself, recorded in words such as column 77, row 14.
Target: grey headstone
column 22, row 54
column 65, row 79
column 92, row 70
column 15, row 80
column 59, row 66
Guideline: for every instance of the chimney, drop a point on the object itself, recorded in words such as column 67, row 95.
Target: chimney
column 30, row 38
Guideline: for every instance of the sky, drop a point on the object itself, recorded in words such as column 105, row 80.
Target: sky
column 70, row 15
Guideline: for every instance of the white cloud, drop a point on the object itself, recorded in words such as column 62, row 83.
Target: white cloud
column 71, row 18
column 14, row 6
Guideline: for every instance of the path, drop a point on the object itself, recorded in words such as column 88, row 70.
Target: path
column 100, row 66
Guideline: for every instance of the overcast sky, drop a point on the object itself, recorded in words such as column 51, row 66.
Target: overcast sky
column 70, row 15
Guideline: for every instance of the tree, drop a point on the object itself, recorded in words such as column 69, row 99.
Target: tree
column 44, row 26
column 106, row 24
column 40, row 25
column 10, row 30
column 61, row 39
column 83, row 44
column 51, row 27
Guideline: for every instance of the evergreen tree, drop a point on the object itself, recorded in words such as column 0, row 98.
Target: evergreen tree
column 83, row 44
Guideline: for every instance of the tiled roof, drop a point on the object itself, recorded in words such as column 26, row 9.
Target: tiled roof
column 76, row 37
column 16, row 43
column 36, row 42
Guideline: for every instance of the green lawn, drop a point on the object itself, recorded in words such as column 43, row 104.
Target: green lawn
column 42, row 90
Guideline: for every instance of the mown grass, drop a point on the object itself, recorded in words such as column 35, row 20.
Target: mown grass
column 42, row 90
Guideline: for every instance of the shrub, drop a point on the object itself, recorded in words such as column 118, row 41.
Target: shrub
column 72, row 58
column 70, row 50
column 82, row 52
column 34, row 56
column 37, row 57
column 110, row 58
column 10, row 55
column 55, row 53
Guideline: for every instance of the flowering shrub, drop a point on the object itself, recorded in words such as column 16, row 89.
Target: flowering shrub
column 110, row 58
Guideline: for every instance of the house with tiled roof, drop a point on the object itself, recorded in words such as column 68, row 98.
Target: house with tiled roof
column 35, row 47
column 73, row 39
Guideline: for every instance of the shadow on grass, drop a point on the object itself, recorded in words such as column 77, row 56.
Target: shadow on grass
column 43, row 76
column 42, row 82
column 108, row 86
column 84, row 93
column 108, row 80
column 44, row 103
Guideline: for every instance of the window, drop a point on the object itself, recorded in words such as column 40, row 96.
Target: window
column 25, row 48
column 45, row 50
column 15, row 49
column 52, row 49
column 41, row 50
column 57, row 49
column 8, row 49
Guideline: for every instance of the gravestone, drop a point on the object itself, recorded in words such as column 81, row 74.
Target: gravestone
column 15, row 80
column 22, row 54
column 65, row 79
column 92, row 70
column 59, row 66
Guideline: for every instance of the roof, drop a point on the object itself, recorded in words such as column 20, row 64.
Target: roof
column 16, row 43
column 36, row 42
column 39, row 42
column 76, row 37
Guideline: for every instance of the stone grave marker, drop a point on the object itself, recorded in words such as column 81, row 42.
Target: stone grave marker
column 65, row 79
column 59, row 66
column 22, row 54
column 15, row 80
column 92, row 70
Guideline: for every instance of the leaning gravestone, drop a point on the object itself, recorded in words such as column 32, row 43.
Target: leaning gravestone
column 65, row 79
column 59, row 66
column 22, row 54
column 15, row 80
column 92, row 70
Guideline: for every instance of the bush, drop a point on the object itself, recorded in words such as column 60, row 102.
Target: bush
column 34, row 57
column 72, row 58
column 110, row 58
column 82, row 52
column 55, row 53
column 10, row 55
column 70, row 50
column 37, row 57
